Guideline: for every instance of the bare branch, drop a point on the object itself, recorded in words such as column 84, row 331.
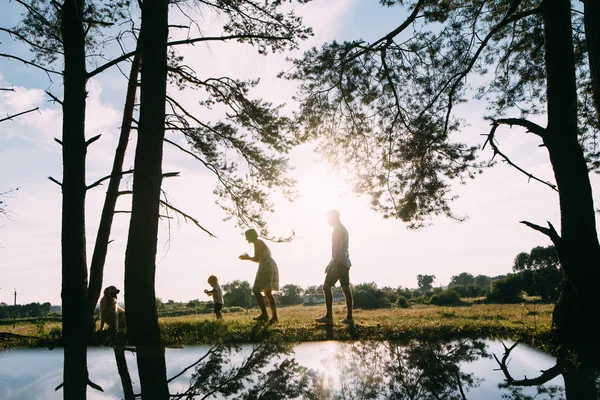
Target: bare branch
column 183, row 42
column 55, row 181
column 490, row 139
column 530, row 126
column 186, row 216
column 546, row 376
column 99, row 181
column 550, row 232
column 208, row 353
column 10, row 117
column 94, row 386
column 92, row 140
column 48, row 71
column 57, row 140
column 54, row 98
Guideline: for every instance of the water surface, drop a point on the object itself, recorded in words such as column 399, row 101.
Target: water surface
column 317, row 370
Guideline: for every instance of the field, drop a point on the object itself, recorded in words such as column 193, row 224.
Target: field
column 527, row 322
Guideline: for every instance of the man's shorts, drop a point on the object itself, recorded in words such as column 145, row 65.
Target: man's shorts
column 338, row 271
column 218, row 307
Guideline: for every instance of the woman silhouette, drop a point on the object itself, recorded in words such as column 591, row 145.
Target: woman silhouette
column 267, row 276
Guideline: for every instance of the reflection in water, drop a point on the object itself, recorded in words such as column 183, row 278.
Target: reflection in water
column 356, row 370
column 417, row 370
column 267, row 372
column 321, row 370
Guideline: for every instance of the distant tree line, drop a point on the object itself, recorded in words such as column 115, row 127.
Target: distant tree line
column 536, row 273
column 24, row 310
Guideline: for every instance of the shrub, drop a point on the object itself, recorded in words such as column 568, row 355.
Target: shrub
column 364, row 299
column 368, row 296
column 402, row 302
column 193, row 303
column 507, row 290
column 446, row 297
column 55, row 333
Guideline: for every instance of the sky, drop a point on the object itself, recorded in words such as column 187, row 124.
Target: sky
column 382, row 251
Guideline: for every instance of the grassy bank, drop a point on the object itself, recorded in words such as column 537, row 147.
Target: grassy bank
column 528, row 322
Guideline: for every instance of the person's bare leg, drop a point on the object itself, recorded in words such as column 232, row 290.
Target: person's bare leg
column 271, row 301
column 349, row 301
column 328, row 300
column 263, row 307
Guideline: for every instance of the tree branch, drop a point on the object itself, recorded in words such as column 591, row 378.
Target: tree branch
column 530, row 126
column 490, row 139
column 99, row 181
column 186, row 41
column 53, row 97
column 208, row 353
column 10, row 117
column 55, row 181
column 386, row 40
column 186, row 216
column 550, row 232
column 546, row 376
column 29, row 42
column 48, row 71
column 92, row 140
column 171, row 207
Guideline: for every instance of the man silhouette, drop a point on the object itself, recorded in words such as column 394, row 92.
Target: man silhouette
column 338, row 269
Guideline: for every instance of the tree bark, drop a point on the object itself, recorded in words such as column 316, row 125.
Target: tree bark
column 580, row 385
column 140, row 256
column 578, row 248
column 108, row 211
column 73, row 246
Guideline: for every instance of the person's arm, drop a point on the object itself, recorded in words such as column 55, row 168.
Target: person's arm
column 336, row 245
column 258, row 252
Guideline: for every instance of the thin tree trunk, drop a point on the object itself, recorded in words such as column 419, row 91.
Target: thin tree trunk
column 578, row 248
column 108, row 211
column 73, row 246
column 140, row 256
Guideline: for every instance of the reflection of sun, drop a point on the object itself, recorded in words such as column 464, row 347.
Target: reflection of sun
column 320, row 190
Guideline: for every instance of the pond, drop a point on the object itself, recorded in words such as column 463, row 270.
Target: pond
column 463, row 369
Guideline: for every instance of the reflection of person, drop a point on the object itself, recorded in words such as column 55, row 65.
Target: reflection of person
column 267, row 276
column 217, row 295
column 338, row 268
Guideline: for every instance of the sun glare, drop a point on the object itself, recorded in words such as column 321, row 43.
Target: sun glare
column 320, row 190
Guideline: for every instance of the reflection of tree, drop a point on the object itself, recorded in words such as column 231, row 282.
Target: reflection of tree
column 581, row 381
column 267, row 372
column 417, row 370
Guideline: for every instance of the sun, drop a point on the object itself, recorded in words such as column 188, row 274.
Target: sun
column 321, row 189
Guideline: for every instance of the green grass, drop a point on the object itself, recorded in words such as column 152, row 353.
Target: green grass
column 528, row 322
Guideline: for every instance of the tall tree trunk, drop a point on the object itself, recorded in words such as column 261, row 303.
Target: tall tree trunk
column 74, row 264
column 140, row 256
column 578, row 248
column 108, row 211
column 591, row 18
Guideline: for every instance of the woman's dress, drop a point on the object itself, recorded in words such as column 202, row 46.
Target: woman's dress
column 267, row 276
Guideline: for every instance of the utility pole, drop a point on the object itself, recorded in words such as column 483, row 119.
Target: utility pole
column 15, row 310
